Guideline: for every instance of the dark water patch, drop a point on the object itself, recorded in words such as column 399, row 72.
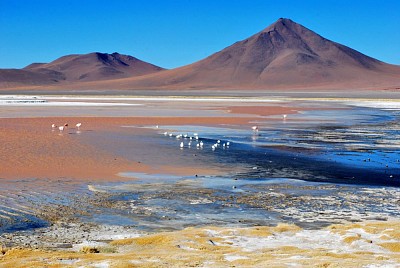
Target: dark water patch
column 34, row 203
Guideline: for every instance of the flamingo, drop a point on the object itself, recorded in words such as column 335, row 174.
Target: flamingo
column 78, row 125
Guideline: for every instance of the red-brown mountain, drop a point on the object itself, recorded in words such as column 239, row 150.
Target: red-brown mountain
column 285, row 54
column 77, row 68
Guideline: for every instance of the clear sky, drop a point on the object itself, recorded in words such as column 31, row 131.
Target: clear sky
column 178, row 32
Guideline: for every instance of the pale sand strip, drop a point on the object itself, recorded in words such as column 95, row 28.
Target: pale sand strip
column 372, row 244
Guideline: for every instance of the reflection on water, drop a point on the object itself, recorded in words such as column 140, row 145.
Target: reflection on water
column 357, row 146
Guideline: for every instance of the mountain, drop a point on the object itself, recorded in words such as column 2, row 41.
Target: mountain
column 78, row 68
column 95, row 66
column 285, row 55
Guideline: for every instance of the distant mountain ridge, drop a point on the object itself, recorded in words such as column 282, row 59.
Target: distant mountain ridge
column 78, row 68
column 283, row 55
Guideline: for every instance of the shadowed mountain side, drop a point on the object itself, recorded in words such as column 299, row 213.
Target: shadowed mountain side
column 10, row 78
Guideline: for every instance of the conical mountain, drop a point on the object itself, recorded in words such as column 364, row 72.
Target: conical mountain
column 284, row 55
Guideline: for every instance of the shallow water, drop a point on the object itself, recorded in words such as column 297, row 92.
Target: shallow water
column 312, row 169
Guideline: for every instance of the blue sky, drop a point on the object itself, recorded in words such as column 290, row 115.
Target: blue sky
column 178, row 32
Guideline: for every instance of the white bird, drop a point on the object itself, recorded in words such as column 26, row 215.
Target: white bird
column 197, row 145
column 181, row 145
column 195, row 134
column 165, row 133
column 284, row 116
column 170, row 134
column 196, row 137
column 213, row 147
column 190, row 143
column 254, row 128
column 53, row 126
column 228, row 143
column 78, row 125
column 218, row 141
column 61, row 128
column 201, row 144
column 157, row 126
